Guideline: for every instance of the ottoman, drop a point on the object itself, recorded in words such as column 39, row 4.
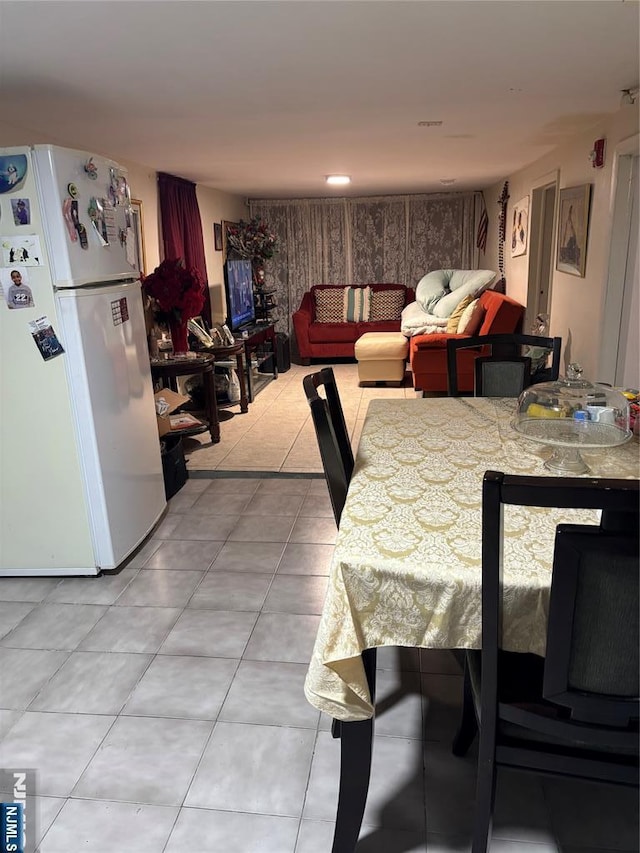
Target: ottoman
column 381, row 357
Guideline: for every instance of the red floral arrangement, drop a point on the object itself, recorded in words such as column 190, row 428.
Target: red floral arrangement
column 252, row 240
column 177, row 292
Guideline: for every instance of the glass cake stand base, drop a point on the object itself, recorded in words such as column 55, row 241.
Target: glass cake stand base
column 567, row 438
column 565, row 460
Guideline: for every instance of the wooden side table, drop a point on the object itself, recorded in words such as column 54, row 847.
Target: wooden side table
column 225, row 353
column 169, row 369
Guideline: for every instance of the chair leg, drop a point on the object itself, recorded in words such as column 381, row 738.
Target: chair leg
column 356, row 748
column 468, row 727
column 485, row 791
column 369, row 660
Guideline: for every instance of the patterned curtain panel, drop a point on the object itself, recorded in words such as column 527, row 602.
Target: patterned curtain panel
column 441, row 234
column 313, row 249
column 378, row 241
column 327, row 220
column 394, row 239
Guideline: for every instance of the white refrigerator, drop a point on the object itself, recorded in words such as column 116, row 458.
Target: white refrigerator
column 81, row 481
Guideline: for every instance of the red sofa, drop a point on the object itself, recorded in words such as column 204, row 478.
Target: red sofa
column 428, row 353
column 337, row 340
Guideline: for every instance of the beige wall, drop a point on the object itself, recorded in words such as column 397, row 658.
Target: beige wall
column 214, row 207
column 144, row 187
column 576, row 303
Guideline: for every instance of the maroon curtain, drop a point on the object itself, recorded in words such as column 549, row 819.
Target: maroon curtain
column 182, row 227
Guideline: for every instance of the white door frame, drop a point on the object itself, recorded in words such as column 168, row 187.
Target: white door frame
column 621, row 207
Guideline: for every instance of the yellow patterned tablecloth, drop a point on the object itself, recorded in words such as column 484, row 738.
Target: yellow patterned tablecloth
column 406, row 569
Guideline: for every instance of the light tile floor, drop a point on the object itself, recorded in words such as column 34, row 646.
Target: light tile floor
column 276, row 434
column 164, row 712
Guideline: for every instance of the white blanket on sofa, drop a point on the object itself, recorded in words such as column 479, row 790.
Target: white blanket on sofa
column 416, row 321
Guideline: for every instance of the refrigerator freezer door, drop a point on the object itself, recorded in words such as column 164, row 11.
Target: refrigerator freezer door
column 112, row 399
column 67, row 193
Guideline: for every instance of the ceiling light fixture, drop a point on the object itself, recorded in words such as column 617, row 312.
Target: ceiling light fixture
column 338, row 180
column 629, row 97
column 447, row 181
column 429, row 123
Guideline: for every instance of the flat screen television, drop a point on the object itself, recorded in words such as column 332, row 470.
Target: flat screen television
column 238, row 282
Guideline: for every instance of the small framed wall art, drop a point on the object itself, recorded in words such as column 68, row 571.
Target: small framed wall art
column 573, row 228
column 520, row 227
column 217, row 236
column 137, row 223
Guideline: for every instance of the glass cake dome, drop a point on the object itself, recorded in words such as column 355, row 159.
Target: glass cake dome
column 570, row 415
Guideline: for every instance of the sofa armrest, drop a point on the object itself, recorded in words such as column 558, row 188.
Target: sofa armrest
column 308, row 306
column 302, row 319
column 503, row 315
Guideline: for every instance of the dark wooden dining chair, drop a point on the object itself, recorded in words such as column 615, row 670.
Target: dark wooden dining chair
column 331, row 433
column 500, row 368
column 356, row 738
column 575, row 711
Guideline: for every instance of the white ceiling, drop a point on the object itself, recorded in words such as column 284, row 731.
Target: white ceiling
column 264, row 98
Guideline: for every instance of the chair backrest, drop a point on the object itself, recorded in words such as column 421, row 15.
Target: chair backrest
column 503, row 370
column 331, row 432
column 593, row 630
column 495, row 377
column 592, row 660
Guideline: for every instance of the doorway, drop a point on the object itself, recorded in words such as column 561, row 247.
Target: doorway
column 628, row 360
column 620, row 351
column 543, row 207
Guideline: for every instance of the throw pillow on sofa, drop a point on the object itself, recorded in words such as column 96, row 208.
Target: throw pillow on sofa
column 343, row 304
column 386, row 304
column 329, row 304
column 461, row 278
column 463, row 283
column 432, row 287
column 454, row 319
column 356, row 306
column 471, row 318
column 439, row 292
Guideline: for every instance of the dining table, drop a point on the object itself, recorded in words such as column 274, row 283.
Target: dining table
column 406, row 569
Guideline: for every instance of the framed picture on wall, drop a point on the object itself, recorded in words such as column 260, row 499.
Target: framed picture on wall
column 137, row 223
column 573, row 228
column 520, row 227
column 226, row 224
column 217, row 236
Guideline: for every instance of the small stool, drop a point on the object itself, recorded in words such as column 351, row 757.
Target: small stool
column 381, row 357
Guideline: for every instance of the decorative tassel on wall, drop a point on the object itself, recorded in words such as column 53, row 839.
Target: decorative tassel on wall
column 501, row 286
column 483, row 227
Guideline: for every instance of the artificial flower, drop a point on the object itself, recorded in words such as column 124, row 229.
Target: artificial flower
column 176, row 292
column 252, row 240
